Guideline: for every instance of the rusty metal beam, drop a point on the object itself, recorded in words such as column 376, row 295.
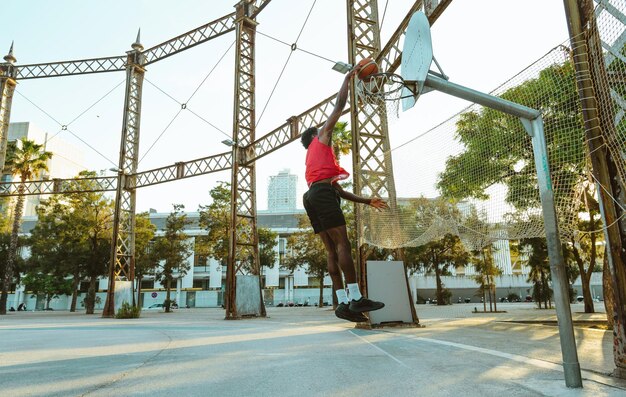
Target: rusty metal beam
column 153, row 54
column 179, row 170
column 277, row 138
column 68, row 68
column 190, row 39
column 58, row 186
column 184, row 169
column 391, row 55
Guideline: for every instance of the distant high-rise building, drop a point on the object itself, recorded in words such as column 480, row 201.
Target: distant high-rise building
column 65, row 162
column 281, row 192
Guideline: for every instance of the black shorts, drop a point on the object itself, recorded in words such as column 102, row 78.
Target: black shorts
column 323, row 206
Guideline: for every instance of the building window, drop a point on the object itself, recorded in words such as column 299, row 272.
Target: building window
column 314, row 282
column 201, row 283
column 147, row 284
column 199, row 260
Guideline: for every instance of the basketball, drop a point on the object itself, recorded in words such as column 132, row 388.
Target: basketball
column 367, row 68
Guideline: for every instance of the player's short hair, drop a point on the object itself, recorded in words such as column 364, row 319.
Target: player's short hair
column 307, row 136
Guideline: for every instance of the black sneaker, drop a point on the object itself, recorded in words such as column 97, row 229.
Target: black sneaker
column 344, row 312
column 365, row 305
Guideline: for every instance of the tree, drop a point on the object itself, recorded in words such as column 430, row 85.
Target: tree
column 5, row 243
column 498, row 150
column 432, row 220
column 307, row 250
column 49, row 285
column 436, row 257
column 145, row 262
column 583, row 245
column 56, row 243
column 607, row 290
column 267, row 243
column 486, row 271
column 215, row 219
column 539, row 275
column 27, row 160
column 92, row 215
column 4, row 218
column 73, row 237
column 342, row 139
column 476, row 235
column 172, row 249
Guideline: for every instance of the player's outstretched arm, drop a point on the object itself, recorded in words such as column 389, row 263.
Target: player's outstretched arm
column 326, row 133
column 374, row 201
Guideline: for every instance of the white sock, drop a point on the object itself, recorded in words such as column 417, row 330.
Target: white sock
column 342, row 296
column 354, row 291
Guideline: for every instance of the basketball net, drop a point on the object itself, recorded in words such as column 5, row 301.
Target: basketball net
column 381, row 92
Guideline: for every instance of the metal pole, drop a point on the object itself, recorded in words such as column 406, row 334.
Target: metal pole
column 370, row 133
column 7, row 87
column 571, row 366
column 243, row 234
column 123, row 241
column 533, row 122
column 598, row 129
column 481, row 98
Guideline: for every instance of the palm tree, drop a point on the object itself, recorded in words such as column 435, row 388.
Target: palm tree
column 539, row 269
column 486, row 271
column 342, row 139
column 26, row 161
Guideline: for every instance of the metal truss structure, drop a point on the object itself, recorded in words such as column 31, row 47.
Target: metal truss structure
column 371, row 141
column 123, row 244
column 7, row 87
column 243, row 250
column 371, row 157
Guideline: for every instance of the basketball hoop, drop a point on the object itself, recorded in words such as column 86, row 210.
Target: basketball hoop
column 383, row 89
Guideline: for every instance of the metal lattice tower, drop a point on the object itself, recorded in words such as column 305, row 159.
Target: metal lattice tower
column 7, row 87
column 244, row 240
column 371, row 155
column 123, row 246
column 246, row 149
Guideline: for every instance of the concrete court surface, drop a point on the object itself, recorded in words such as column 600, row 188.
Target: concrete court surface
column 298, row 352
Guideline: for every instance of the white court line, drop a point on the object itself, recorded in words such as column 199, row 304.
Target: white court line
column 381, row 350
column 588, row 375
column 508, row 356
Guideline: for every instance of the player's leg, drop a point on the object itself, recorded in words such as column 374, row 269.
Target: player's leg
column 339, row 237
column 333, row 264
column 343, row 308
column 326, row 203
column 358, row 303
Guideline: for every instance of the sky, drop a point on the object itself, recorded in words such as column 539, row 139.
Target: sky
column 478, row 43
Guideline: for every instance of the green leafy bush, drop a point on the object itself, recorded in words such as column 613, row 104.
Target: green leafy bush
column 128, row 311
column 446, row 294
column 513, row 297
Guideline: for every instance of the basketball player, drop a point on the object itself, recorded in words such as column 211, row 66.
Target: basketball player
column 322, row 204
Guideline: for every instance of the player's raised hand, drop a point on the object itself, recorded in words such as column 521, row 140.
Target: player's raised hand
column 353, row 71
column 378, row 203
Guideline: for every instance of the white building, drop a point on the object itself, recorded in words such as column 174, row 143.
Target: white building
column 204, row 283
column 281, row 192
column 66, row 161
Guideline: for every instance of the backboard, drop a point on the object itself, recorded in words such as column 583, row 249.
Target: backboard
column 417, row 55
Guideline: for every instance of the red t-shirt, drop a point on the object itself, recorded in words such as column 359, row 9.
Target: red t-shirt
column 321, row 163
